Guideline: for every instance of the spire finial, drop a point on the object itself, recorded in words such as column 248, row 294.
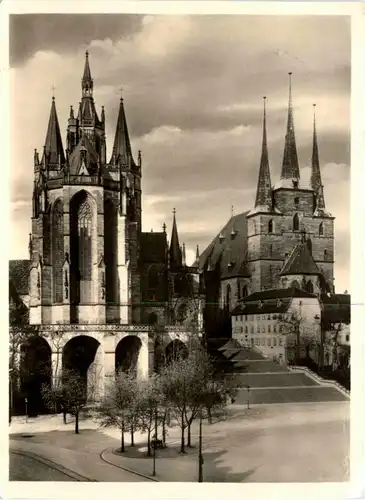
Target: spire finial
column 290, row 92
column 53, row 93
column 174, row 211
column 232, row 211
column 164, row 227
column 197, row 252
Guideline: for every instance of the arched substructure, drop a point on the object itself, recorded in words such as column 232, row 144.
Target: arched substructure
column 35, row 370
column 82, row 356
column 127, row 354
column 176, row 350
column 83, row 251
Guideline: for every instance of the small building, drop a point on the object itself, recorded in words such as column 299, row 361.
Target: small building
column 269, row 320
column 336, row 321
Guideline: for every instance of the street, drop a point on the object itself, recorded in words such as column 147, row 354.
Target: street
column 25, row 468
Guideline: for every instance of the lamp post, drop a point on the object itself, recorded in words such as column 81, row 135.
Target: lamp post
column 154, row 446
column 201, row 459
column 248, row 397
column 11, row 403
column 26, row 409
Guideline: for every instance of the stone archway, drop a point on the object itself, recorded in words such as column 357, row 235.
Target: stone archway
column 80, row 356
column 127, row 354
column 175, row 350
column 35, row 370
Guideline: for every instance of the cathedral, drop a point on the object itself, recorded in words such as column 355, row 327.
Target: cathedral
column 285, row 241
column 95, row 282
column 97, row 288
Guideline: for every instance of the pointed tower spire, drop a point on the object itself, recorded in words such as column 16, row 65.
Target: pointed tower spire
column 122, row 144
column 263, row 193
column 175, row 250
column 290, row 167
column 53, row 148
column 197, row 256
column 183, row 254
column 87, row 81
column 316, row 180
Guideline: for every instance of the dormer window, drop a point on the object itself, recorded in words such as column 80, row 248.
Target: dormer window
column 233, row 233
column 221, row 238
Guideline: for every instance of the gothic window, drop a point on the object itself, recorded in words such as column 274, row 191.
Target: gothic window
column 152, row 319
column 320, row 230
column 296, row 202
column 296, row 223
column 270, row 251
column 153, row 281
column 84, row 230
column 325, row 255
column 271, row 226
column 244, row 292
column 309, row 287
column 238, row 290
column 57, row 251
column 228, row 296
column 111, row 252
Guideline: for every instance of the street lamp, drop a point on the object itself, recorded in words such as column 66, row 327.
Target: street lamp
column 201, row 459
column 248, row 397
column 26, row 409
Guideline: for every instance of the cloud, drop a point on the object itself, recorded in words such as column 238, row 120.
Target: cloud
column 192, row 88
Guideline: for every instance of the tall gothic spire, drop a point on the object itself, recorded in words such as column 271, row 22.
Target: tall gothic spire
column 87, row 81
column 122, row 144
column 316, row 180
column 175, row 250
column 53, row 147
column 290, row 167
column 264, row 194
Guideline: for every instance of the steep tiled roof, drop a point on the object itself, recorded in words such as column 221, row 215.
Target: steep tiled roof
column 300, row 261
column 153, row 247
column 228, row 247
column 270, row 301
column 336, row 309
column 19, row 276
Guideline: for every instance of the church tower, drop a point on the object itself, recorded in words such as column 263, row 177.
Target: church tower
column 288, row 213
column 86, row 221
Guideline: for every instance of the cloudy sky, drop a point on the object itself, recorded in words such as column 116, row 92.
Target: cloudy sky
column 193, row 90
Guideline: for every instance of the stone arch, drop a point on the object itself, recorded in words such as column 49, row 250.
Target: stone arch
column 127, row 353
column 35, row 370
column 296, row 222
column 79, row 356
column 176, row 349
column 82, row 239
column 57, row 250
column 111, row 252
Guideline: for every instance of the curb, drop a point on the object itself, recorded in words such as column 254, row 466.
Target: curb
column 53, row 465
column 131, row 471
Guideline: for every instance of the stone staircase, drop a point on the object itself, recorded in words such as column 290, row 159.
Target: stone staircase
column 263, row 381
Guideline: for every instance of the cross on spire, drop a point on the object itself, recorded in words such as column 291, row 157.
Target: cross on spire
column 53, row 92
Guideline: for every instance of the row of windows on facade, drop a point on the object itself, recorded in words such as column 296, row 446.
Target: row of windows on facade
column 259, row 329
column 295, row 226
column 269, row 341
column 271, row 253
column 258, row 317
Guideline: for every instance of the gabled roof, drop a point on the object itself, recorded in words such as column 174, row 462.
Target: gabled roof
column 228, row 247
column 19, row 275
column 336, row 309
column 300, row 261
column 270, row 301
column 91, row 157
column 153, row 247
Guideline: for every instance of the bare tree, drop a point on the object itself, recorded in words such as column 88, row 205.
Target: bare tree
column 120, row 405
column 151, row 402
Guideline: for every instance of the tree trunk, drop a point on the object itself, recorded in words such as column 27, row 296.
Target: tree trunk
column 64, row 417
column 122, row 449
column 189, row 434
column 149, row 442
column 209, row 415
column 132, row 435
column 182, row 447
column 77, row 422
column 164, row 431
